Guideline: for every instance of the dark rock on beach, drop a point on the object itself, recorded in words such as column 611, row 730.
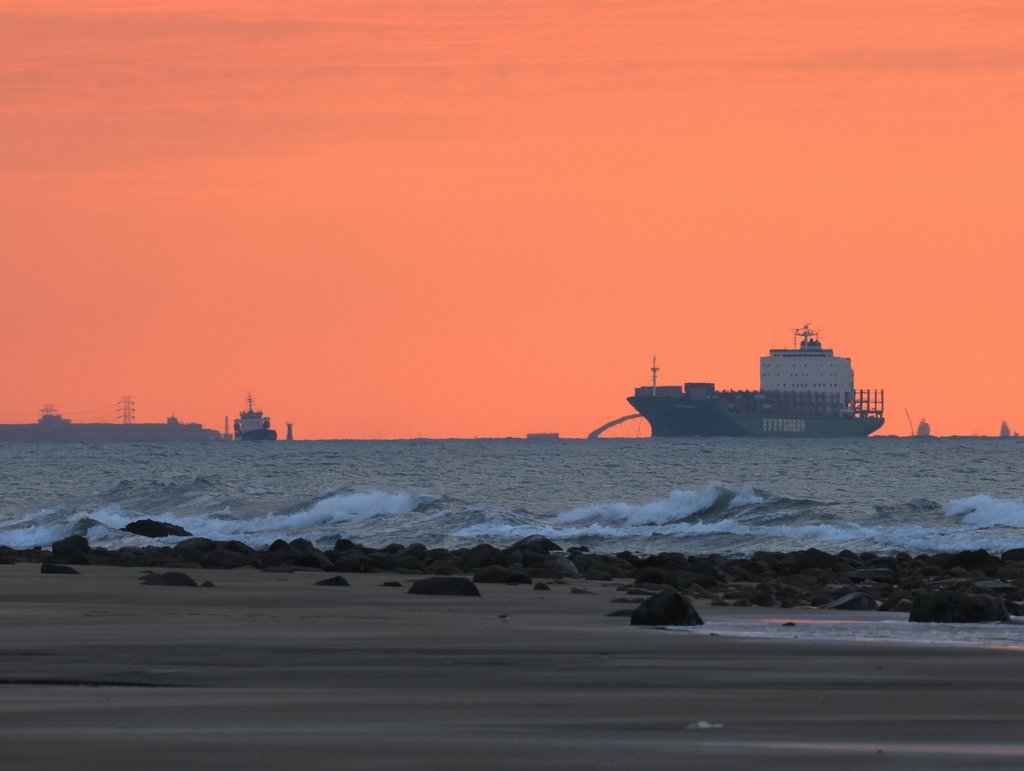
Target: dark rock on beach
column 957, row 608
column 881, row 575
column 977, row 559
column 449, row 586
column 152, row 528
column 495, row 574
column 191, row 548
column 536, row 543
column 333, row 581
column 71, row 545
column 669, row 608
column 809, row 577
column 444, row 567
column 167, row 579
column 354, row 562
column 680, row 579
column 482, row 555
column 49, row 567
column 300, row 553
column 223, row 559
column 807, row 558
column 550, row 566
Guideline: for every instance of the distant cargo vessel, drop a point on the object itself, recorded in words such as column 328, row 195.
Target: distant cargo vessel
column 806, row 391
column 54, row 427
column 252, row 424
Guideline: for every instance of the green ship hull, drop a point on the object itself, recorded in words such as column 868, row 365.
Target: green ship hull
column 673, row 415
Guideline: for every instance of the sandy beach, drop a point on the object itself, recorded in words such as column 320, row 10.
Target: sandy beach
column 267, row 670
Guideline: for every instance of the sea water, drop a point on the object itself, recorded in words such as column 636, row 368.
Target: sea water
column 725, row 495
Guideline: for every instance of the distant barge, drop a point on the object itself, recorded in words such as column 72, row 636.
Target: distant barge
column 53, row 427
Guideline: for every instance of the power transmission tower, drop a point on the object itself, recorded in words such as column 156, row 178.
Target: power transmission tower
column 126, row 410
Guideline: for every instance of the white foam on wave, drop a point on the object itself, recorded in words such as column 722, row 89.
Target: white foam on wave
column 810, row 532
column 103, row 526
column 43, row 527
column 746, row 497
column 324, row 517
column 749, row 538
column 987, row 511
column 679, row 505
column 677, row 520
column 715, row 518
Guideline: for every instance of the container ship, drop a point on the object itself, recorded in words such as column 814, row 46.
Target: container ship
column 806, row 391
column 54, row 427
column 252, row 424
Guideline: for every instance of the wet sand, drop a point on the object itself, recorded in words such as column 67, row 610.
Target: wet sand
column 268, row 671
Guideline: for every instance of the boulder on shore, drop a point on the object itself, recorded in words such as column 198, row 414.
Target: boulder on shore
column 667, row 608
column 449, row 586
column 152, row 528
column 73, row 544
column 536, row 543
column 49, row 567
column 957, row 608
column 222, row 559
column 333, row 581
column 481, row 555
column 167, row 579
column 496, row 574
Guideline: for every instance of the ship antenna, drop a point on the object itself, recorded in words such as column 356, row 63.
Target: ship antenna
column 805, row 332
column 654, row 376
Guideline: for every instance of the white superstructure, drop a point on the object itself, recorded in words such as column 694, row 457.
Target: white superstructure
column 251, row 420
column 808, row 368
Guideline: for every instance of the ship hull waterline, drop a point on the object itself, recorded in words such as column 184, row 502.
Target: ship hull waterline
column 670, row 416
column 257, row 435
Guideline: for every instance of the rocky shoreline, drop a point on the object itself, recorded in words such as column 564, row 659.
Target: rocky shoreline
column 968, row 585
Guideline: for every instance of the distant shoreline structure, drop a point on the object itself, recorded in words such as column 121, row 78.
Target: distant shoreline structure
column 54, row 427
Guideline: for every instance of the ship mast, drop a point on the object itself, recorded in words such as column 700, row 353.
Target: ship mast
column 806, row 333
column 248, row 399
column 654, row 376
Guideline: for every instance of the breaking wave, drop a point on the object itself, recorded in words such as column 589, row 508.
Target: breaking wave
column 323, row 518
column 987, row 511
column 717, row 518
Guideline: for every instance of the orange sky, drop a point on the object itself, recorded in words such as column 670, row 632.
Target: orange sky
column 482, row 218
